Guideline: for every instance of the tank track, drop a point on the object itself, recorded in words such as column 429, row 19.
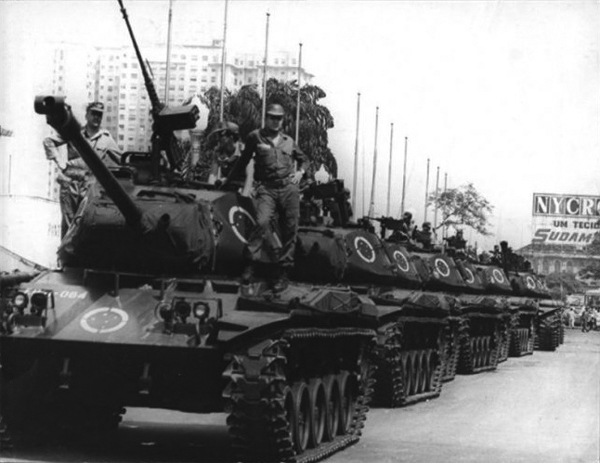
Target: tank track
column 274, row 416
column 406, row 376
column 505, row 329
column 548, row 333
column 522, row 341
column 479, row 353
column 451, row 348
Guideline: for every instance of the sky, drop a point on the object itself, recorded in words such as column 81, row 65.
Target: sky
column 501, row 94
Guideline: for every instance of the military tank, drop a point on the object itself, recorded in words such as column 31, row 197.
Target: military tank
column 140, row 315
column 412, row 341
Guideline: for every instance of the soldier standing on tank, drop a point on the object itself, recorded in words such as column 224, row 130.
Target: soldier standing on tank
column 74, row 176
column 228, row 150
column 275, row 157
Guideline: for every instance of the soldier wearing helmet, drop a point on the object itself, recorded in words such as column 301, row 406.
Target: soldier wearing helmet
column 424, row 236
column 227, row 151
column 279, row 165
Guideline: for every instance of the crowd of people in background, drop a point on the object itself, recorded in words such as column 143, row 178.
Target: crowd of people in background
column 587, row 318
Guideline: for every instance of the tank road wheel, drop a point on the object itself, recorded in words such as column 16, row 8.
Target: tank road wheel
column 318, row 408
column 406, row 373
column 333, row 410
column 301, row 417
column 416, row 371
column 476, row 352
column 424, row 370
column 348, row 400
column 429, row 370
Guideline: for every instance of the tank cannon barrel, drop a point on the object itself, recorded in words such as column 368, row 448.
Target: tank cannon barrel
column 59, row 116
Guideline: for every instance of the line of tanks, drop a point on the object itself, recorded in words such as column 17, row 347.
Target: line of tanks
column 148, row 311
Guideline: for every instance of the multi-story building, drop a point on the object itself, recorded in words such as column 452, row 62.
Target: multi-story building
column 113, row 76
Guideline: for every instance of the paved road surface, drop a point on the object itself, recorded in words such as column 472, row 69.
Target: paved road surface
column 540, row 408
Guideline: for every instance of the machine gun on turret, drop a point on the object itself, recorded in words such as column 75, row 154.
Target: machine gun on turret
column 334, row 199
column 166, row 119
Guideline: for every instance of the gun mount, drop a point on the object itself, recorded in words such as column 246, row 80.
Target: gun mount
column 166, row 119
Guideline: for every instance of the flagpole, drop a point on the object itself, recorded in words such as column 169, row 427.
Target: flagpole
column 354, row 183
column 264, row 99
column 435, row 210
column 223, row 63
column 445, row 229
column 298, row 96
column 404, row 175
column 426, row 192
column 372, row 203
column 390, row 170
column 168, row 76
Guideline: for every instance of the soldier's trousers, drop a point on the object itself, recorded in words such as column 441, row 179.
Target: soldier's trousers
column 71, row 195
column 285, row 201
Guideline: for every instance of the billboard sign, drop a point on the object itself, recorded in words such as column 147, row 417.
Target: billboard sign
column 565, row 219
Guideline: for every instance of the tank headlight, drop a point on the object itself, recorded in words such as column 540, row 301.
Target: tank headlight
column 201, row 310
column 39, row 302
column 164, row 311
column 183, row 308
column 20, row 300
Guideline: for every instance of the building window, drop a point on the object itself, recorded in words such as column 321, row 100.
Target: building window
column 569, row 266
column 557, row 266
column 545, row 266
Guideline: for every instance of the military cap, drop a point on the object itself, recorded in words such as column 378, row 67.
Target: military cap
column 97, row 106
column 275, row 109
column 226, row 126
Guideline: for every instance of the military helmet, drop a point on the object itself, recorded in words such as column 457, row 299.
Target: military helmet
column 275, row 109
column 226, row 126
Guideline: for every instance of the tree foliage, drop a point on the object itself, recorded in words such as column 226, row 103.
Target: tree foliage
column 463, row 207
column 561, row 283
column 244, row 107
column 590, row 272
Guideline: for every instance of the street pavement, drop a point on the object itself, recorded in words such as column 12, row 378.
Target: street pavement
column 539, row 408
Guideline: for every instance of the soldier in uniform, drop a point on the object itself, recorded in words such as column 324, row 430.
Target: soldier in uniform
column 227, row 151
column 275, row 158
column 457, row 241
column 424, row 236
column 74, row 176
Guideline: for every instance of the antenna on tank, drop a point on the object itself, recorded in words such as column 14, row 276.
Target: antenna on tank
column 298, row 96
column 372, row 203
column 355, row 179
column 264, row 95
column 223, row 61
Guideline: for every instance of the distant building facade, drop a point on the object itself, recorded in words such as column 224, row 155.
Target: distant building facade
column 564, row 226
column 113, row 76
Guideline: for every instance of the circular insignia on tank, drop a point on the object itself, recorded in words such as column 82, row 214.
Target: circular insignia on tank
column 442, row 267
column 241, row 222
column 530, row 282
column 401, row 261
column 104, row 320
column 470, row 277
column 364, row 249
column 498, row 275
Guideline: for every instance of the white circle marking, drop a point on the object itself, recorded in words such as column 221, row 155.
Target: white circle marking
column 401, row 261
column 121, row 314
column 442, row 267
column 232, row 212
column 360, row 239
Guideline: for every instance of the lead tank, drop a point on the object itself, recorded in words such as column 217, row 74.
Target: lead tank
column 146, row 312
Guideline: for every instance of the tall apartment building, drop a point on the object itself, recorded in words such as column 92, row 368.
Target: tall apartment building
column 113, row 76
